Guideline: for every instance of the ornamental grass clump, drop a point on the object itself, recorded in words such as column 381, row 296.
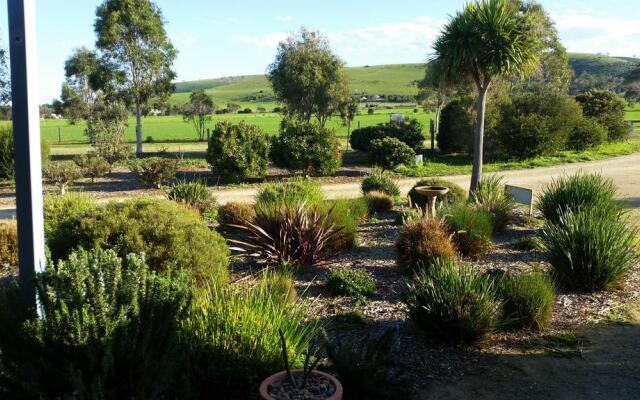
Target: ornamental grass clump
column 346, row 214
column 379, row 181
column 575, row 192
column 290, row 193
column 379, row 202
column 590, row 249
column 527, row 300
column 453, row 303
column 231, row 336
column 235, row 213
column 491, row 196
column 470, row 226
column 194, row 195
column 422, row 243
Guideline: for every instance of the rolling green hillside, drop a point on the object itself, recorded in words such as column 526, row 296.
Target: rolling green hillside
column 398, row 79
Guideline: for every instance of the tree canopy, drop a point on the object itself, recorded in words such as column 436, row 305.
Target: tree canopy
column 308, row 77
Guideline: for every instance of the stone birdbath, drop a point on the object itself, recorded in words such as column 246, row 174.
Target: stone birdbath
column 432, row 193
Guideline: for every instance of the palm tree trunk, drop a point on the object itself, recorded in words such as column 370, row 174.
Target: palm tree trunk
column 138, row 130
column 478, row 147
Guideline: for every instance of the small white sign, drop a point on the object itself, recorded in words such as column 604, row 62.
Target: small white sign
column 419, row 160
column 397, row 118
column 521, row 195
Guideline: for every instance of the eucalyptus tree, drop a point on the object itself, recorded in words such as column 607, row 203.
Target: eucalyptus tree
column 198, row 112
column 79, row 90
column 133, row 43
column 309, row 78
column 488, row 39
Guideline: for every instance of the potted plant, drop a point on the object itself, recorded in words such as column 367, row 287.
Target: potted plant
column 305, row 384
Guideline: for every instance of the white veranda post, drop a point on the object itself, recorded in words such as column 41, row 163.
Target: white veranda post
column 26, row 133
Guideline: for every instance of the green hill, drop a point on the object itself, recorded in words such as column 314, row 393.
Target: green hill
column 389, row 80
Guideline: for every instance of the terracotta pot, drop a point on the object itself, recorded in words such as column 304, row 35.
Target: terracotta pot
column 264, row 387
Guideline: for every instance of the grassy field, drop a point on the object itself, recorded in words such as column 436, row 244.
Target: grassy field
column 174, row 129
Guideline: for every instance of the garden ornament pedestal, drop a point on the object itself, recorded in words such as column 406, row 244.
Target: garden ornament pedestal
column 432, row 193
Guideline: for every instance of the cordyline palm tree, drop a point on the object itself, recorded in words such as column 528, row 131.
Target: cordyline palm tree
column 488, row 39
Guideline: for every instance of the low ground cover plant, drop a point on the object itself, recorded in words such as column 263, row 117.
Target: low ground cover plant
column 423, row 243
column 232, row 340
column 527, row 300
column 379, row 202
column 453, row 303
column 590, row 249
column 574, row 192
column 154, row 171
column 456, row 193
column 111, row 328
column 470, row 227
column 170, row 236
column 351, row 282
column 379, row 181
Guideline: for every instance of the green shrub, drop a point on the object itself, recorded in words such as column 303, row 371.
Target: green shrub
column 587, row 134
column 154, row 171
column 192, row 194
column 295, row 235
column 409, row 132
column 363, row 367
column 455, row 134
column 456, row 193
column 306, row 147
column 453, row 303
column 527, row 300
column 422, row 243
column 61, row 214
column 347, row 215
column 169, row 235
column 608, row 110
column 7, row 167
column 590, row 249
column 574, row 192
column 532, row 125
column 351, row 282
column 380, row 182
column 379, row 202
column 111, row 331
column 290, row 193
column 8, row 244
column 235, row 213
column 63, row 174
column 361, row 138
column 492, row 197
column 471, row 228
column 92, row 165
column 238, row 152
column 232, row 337
column 388, row 153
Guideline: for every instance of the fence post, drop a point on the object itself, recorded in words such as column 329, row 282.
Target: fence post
column 432, row 130
column 59, row 135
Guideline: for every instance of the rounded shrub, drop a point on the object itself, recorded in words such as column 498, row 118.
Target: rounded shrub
column 154, row 171
column 455, row 134
column 380, row 182
column 421, row 243
column 574, row 192
column 235, row 213
column 453, row 303
column 456, row 193
column 61, row 216
column 527, row 300
column 409, row 132
column 590, row 249
column 587, row 134
column 361, row 138
column 351, row 282
column 471, row 228
column 379, row 202
column 388, row 153
column 306, row 147
column 290, row 193
column 7, row 166
column 608, row 110
column 238, row 152
column 169, row 235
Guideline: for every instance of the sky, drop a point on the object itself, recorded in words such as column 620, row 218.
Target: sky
column 227, row 38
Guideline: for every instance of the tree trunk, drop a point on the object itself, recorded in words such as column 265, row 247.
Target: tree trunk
column 478, row 147
column 138, row 130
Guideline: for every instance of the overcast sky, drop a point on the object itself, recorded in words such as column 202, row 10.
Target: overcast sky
column 225, row 38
